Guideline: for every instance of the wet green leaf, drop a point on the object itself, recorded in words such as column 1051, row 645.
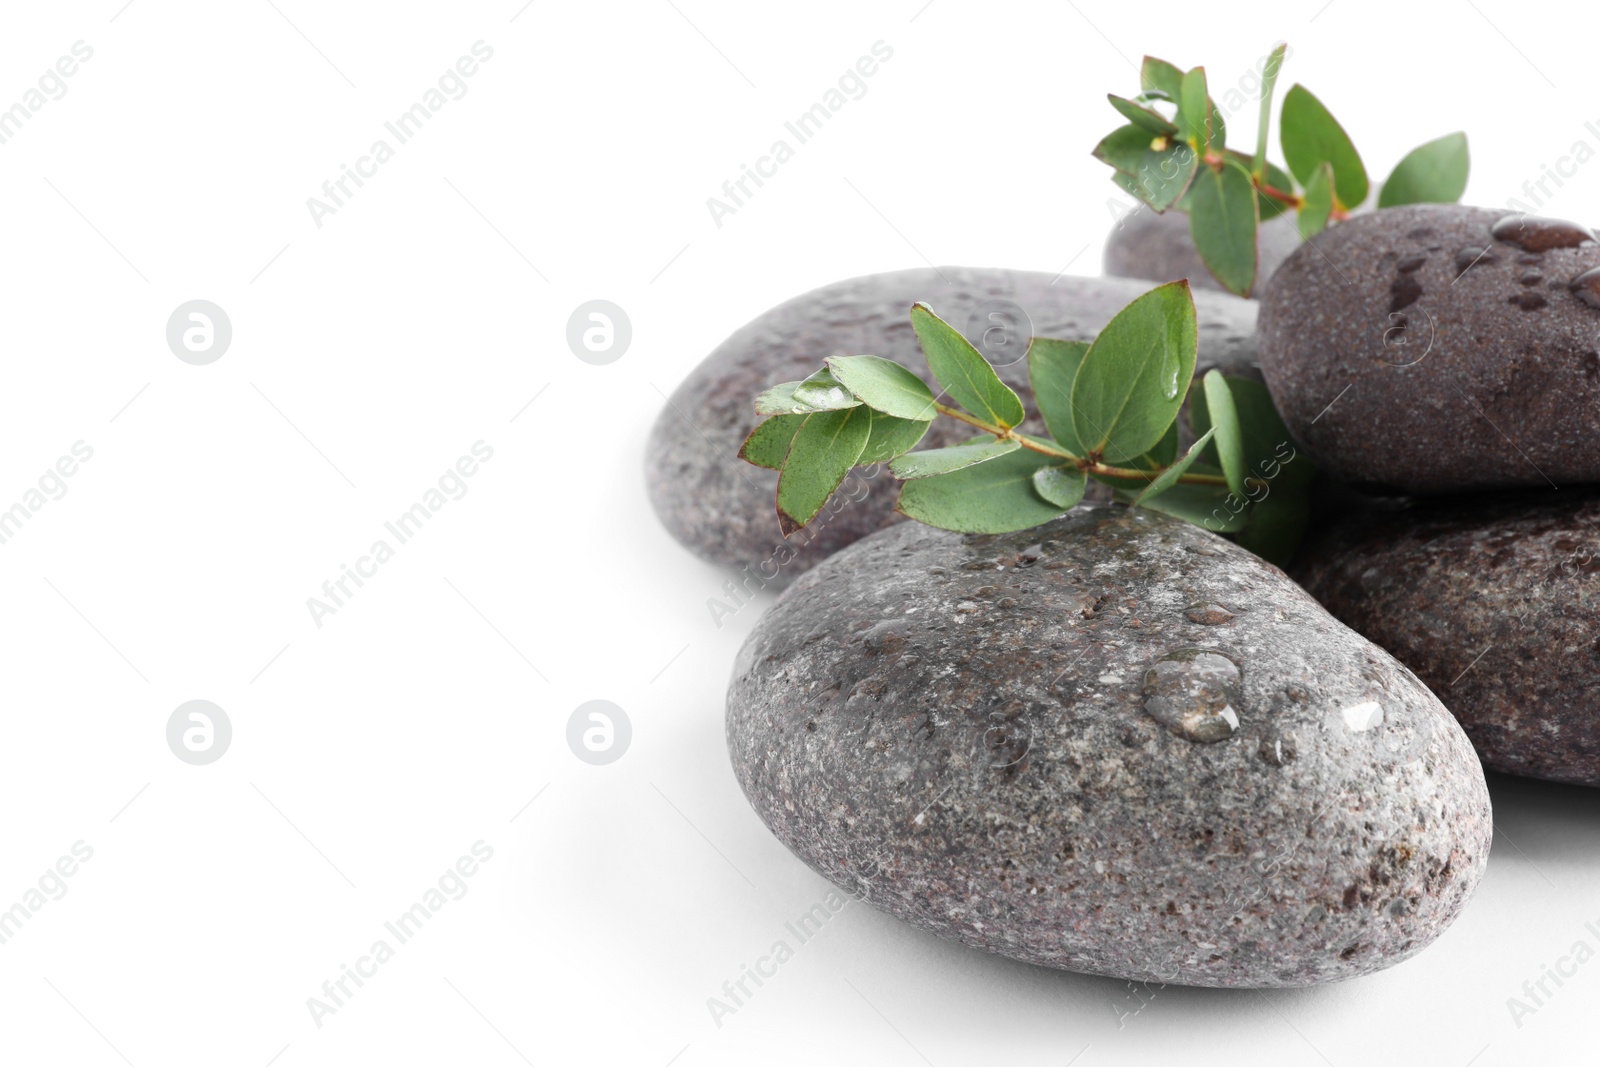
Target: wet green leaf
column 1132, row 380
column 1061, row 486
column 1225, row 429
column 963, row 372
column 1311, row 135
column 781, row 400
column 891, row 436
column 1052, row 368
column 937, row 461
column 823, row 392
column 827, row 445
column 1432, row 173
column 884, row 385
column 768, row 443
column 1223, row 224
column 1170, row 476
column 997, row 497
column 1151, row 121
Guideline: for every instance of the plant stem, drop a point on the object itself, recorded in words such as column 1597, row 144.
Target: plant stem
column 1268, row 190
column 1091, row 465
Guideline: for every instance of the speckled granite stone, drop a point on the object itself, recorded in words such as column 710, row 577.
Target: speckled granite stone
column 721, row 508
column 1144, row 244
column 1012, row 741
column 1410, row 349
column 1495, row 603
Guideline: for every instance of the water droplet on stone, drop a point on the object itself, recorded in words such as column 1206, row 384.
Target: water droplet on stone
column 1410, row 263
column 1529, row 301
column 1194, row 693
column 1405, row 291
column 1207, row 613
column 1363, row 716
column 1468, row 258
column 1532, row 277
column 1277, row 749
column 1534, row 234
column 1587, row 287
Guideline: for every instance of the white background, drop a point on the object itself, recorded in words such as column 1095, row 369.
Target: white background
column 368, row 354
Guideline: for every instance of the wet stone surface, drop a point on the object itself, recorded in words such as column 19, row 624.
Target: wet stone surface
column 1144, row 244
column 1436, row 348
column 1091, row 778
column 721, row 508
column 1495, row 603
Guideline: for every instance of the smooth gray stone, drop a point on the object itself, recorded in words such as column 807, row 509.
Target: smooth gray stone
column 966, row 733
column 1144, row 244
column 722, row 508
column 1410, row 350
column 1491, row 601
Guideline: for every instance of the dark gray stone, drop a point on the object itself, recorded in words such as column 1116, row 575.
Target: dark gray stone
column 1144, row 244
column 1495, row 603
column 1115, row 744
column 721, row 508
column 1452, row 360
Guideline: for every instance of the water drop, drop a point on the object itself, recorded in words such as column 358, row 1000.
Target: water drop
column 1529, row 301
column 1364, row 716
column 1169, row 375
column 1468, row 258
column 1207, row 614
column 1405, row 291
column 1194, row 694
column 1411, row 263
column 1587, row 287
column 1534, row 234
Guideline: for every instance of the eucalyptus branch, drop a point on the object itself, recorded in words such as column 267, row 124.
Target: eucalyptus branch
column 1173, row 154
column 1123, row 392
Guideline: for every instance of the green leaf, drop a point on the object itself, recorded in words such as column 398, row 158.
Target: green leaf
column 1270, row 453
column 1276, row 526
column 1158, row 176
column 768, row 443
column 1061, row 486
column 884, row 385
column 1269, row 82
column 1311, row 135
column 828, row 444
column 822, row 392
column 890, row 437
column 1433, row 173
column 1194, row 109
column 1132, row 380
column 1157, row 75
column 1225, row 427
column 1276, row 177
column 1209, row 506
column 780, row 400
column 1052, row 368
column 963, row 371
column 1316, row 203
column 936, row 461
column 994, row 497
column 1143, row 117
column 1170, row 476
column 1223, row 224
